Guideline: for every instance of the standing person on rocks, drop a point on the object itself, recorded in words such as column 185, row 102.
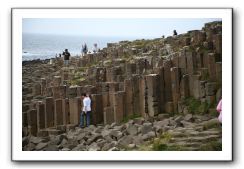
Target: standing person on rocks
column 174, row 33
column 84, row 49
column 95, row 49
column 66, row 55
column 219, row 109
column 86, row 111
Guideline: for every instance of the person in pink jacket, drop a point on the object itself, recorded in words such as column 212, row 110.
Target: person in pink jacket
column 219, row 109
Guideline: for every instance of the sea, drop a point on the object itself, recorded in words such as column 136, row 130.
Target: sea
column 43, row 46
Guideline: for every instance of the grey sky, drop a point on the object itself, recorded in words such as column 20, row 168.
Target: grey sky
column 112, row 27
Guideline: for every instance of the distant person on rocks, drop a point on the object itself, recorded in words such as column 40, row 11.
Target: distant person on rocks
column 84, row 49
column 219, row 109
column 95, row 49
column 66, row 55
column 86, row 111
column 174, row 33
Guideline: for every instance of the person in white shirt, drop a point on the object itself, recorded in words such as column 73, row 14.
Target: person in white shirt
column 86, row 111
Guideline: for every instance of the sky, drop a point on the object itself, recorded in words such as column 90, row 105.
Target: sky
column 132, row 27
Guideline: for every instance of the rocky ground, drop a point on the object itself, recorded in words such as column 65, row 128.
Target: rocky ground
column 180, row 133
column 175, row 80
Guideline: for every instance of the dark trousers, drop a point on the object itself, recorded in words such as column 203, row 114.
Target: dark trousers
column 85, row 117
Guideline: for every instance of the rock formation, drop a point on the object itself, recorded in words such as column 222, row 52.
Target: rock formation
column 163, row 81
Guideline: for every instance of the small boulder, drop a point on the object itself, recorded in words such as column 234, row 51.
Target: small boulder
column 41, row 146
column 146, row 127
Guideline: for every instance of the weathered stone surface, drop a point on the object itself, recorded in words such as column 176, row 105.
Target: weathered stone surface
column 37, row 89
column 146, row 127
column 94, row 138
column 66, row 111
column 94, row 147
column 136, row 94
column 153, row 98
column 139, row 120
column 113, row 149
column 40, row 116
column 218, row 66
column 188, row 117
column 58, row 92
column 58, row 112
column 49, row 116
column 40, row 146
column 72, row 92
column 127, row 79
column 43, row 86
column 108, row 115
column 175, row 80
column 108, row 146
column 97, row 109
column 57, row 80
column 218, row 43
column 148, row 135
column 195, row 86
column 167, row 81
column 79, row 147
column 25, row 141
column 32, row 121
column 75, row 109
column 169, row 107
column 115, row 134
column 191, row 62
column 211, row 66
column 132, row 130
column 42, row 133
column 51, row 147
column 119, row 106
column 184, row 86
column 210, row 88
column 126, row 140
column 129, row 97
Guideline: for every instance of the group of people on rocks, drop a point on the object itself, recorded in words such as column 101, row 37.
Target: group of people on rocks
column 84, row 50
column 86, row 109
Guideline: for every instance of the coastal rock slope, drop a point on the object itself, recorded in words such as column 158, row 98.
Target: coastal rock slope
column 157, row 94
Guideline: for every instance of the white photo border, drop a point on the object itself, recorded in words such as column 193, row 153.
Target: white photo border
column 227, row 134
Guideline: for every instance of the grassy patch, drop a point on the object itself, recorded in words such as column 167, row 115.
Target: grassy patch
column 126, row 119
column 196, row 106
column 211, row 146
column 211, row 124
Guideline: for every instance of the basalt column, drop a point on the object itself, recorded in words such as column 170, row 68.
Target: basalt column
column 58, row 112
column 66, row 111
column 153, row 99
column 97, row 108
column 118, row 101
column 167, row 81
column 49, row 116
column 136, row 90
column 75, row 109
column 40, row 115
column 32, row 121
column 175, row 79
column 128, row 98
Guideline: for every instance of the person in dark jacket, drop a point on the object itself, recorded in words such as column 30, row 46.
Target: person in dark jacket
column 175, row 33
column 66, row 55
column 84, row 50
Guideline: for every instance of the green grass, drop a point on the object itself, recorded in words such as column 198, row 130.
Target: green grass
column 211, row 146
column 196, row 106
column 133, row 116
